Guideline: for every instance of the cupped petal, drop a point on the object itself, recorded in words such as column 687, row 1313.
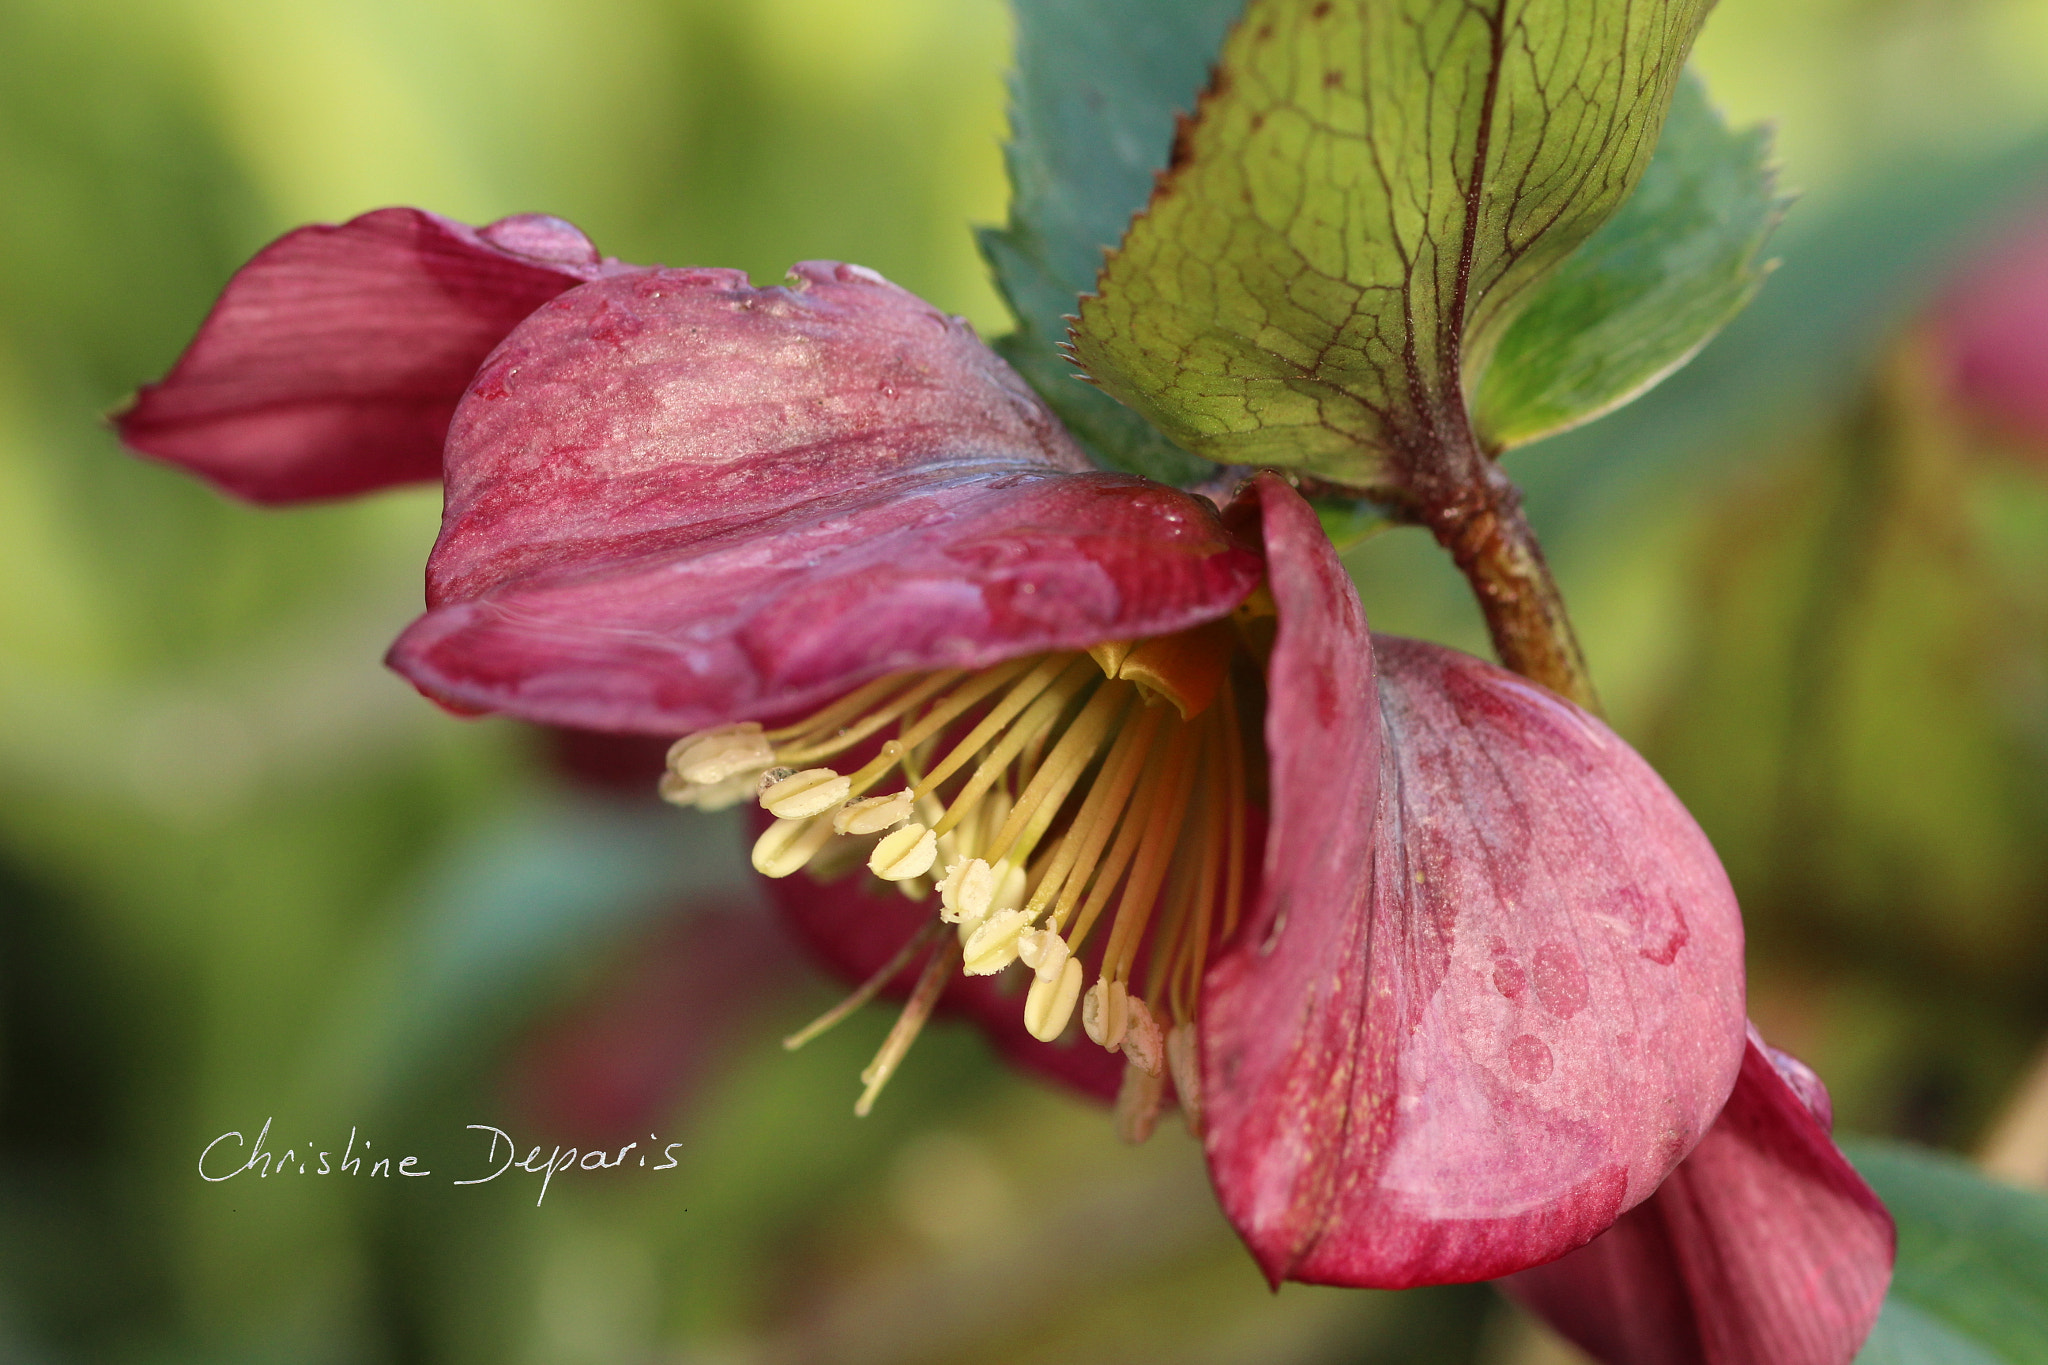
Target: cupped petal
column 1279, row 1055
column 855, row 926
column 334, row 359
column 1503, row 1011
column 675, row 500
column 1764, row 1248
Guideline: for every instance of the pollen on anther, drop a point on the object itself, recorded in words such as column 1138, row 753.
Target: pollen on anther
column 1105, row 1013
column 993, row 946
column 967, row 892
column 1143, row 1043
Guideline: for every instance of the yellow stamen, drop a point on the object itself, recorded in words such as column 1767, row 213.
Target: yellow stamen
column 1091, row 829
column 1040, row 799
column 867, row 989
column 1038, row 717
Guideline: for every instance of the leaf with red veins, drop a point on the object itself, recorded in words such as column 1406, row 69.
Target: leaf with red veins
column 1499, row 1017
column 334, row 359
column 675, row 500
column 1764, row 1248
column 855, row 926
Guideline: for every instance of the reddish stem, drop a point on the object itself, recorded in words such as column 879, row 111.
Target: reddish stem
column 1478, row 518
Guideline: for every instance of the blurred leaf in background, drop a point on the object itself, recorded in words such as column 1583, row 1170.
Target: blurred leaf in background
column 247, row 874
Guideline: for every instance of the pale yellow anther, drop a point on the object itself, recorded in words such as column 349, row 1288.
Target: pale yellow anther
column 873, row 814
column 715, row 755
column 1045, row 952
column 967, row 893
column 1050, row 1003
column 787, row 845
column 1012, row 883
column 802, row 795
column 1144, row 1044
column 1105, row 1013
column 993, row 946
column 679, row 790
column 905, row 853
column 1183, row 1059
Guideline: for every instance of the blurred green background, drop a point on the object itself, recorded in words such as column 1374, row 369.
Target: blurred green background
column 247, row 875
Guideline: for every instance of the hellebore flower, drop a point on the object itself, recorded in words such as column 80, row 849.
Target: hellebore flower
column 1443, row 974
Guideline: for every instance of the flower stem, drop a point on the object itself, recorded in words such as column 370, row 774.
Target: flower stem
column 1480, row 522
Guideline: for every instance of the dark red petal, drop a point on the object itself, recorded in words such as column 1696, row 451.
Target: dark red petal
column 1472, row 1054
column 333, row 360
column 644, row 1037
column 1277, row 1065
column 675, row 500
column 856, row 925
column 1764, row 1248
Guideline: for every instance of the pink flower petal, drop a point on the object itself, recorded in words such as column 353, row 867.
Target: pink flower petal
column 1472, row 1053
column 333, row 360
column 1764, row 1248
column 675, row 500
column 1275, row 1062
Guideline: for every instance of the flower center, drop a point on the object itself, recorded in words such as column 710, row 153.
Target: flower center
column 1075, row 814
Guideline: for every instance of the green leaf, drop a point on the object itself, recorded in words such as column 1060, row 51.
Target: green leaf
column 1360, row 210
column 1971, row 1286
column 1652, row 286
column 1352, row 521
column 1093, row 100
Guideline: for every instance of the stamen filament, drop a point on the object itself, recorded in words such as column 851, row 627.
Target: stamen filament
column 955, row 705
column 1022, row 696
column 867, row 990
column 852, row 704
column 1038, row 719
column 1164, row 817
column 850, row 735
column 1233, row 802
column 916, row 1010
column 1048, row 788
column 1084, row 839
column 1129, row 830
column 1191, row 953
